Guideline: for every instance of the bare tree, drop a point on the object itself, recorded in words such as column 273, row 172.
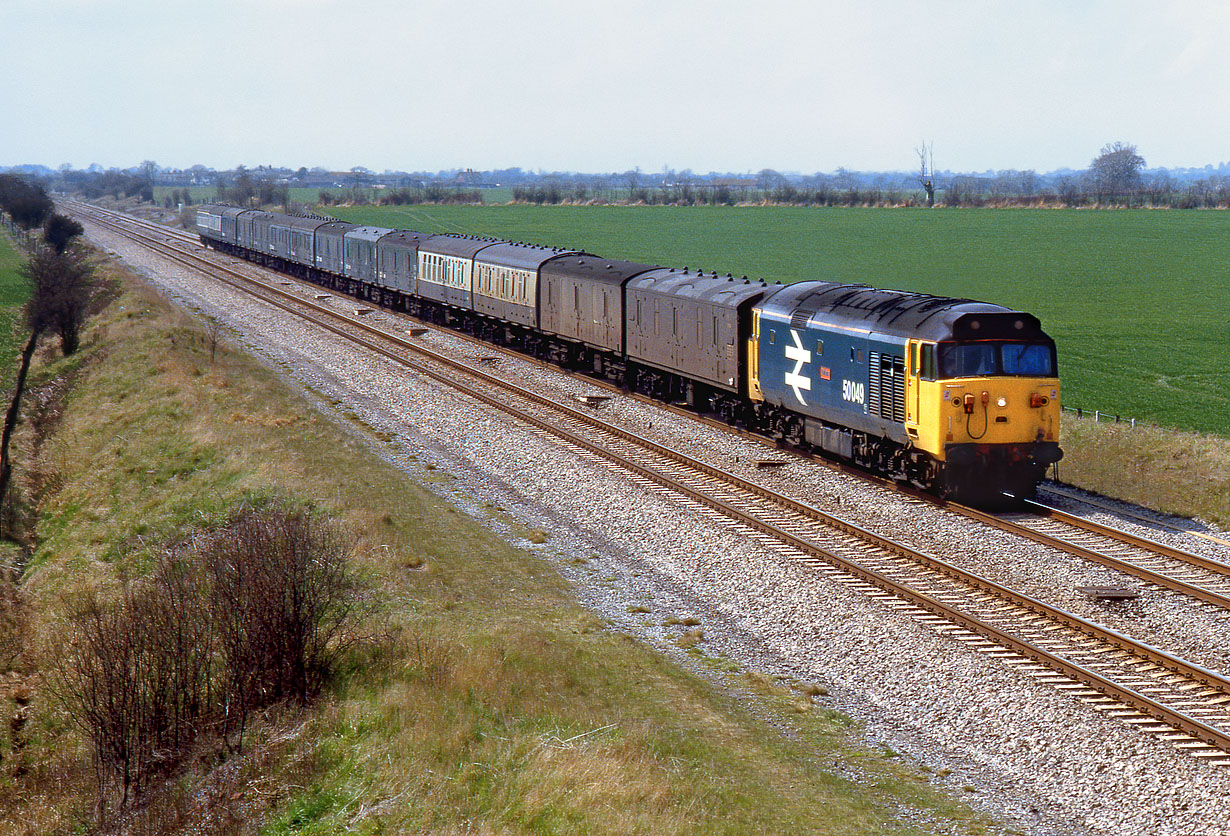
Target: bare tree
column 633, row 179
column 926, row 170
column 1116, row 171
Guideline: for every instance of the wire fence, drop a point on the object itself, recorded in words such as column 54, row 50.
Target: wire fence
column 23, row 238
column 1099, row 415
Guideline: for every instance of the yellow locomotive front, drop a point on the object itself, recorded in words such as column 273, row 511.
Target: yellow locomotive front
column 985, row 407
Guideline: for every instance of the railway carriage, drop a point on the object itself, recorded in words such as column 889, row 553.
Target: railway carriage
column 684, row 333
column 397, row 255
column 218, row 223
column 329, row 250
column 506, row 281
column 446, row 274
column 359, row 258
column 581, row 304
column 295, row 239
column 253, row 227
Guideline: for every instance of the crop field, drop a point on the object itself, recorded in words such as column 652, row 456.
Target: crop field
column 1138, row 301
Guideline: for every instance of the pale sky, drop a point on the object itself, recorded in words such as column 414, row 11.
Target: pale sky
column 584, row 85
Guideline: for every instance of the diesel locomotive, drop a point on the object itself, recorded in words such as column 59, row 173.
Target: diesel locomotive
column 960, row 398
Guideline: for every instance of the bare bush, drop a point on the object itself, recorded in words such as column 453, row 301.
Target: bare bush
column 246, row 617
column 136, row 676
column 282, row 600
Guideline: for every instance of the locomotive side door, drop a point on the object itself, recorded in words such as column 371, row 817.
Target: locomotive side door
column 913, row 349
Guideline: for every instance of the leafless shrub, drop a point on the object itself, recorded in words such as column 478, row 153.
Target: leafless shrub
column 214, row 331
column 241, row 619
column 282, row 602
column 136, row 677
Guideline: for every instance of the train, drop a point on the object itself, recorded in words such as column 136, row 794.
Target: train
column 953, row 396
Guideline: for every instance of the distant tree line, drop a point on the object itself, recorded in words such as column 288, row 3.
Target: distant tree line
column 1115, row 177
column 405, row 196
column 95, row 184
column 245, row 190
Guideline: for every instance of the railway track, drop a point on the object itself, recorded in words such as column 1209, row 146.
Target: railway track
column 1197, row 576
column 1153, row 522
column 1140, row 685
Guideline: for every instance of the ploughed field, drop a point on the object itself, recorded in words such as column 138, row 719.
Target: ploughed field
column 1138, row 301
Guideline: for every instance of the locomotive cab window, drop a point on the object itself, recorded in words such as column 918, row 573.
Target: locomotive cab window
column 996, row 358
column 927, row 370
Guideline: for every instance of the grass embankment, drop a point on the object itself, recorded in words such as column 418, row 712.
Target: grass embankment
column 14, row 290
column 1180, row 473
column 490, row 702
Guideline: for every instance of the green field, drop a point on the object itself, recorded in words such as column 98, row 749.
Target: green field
column 1137, row 300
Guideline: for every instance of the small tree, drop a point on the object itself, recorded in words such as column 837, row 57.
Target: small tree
column 926, row 170
column 60, row 230
column 27, row 203
column 62, row 283
column 61, row 286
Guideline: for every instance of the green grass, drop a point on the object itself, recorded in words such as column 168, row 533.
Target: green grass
column 1136, row 300
column 14, row 290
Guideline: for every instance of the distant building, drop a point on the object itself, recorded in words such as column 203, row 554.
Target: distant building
column 470, row 179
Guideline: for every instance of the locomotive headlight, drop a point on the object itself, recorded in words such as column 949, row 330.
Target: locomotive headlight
column 1001, row 403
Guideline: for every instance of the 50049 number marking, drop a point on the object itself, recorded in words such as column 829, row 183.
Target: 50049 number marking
column 853, row 392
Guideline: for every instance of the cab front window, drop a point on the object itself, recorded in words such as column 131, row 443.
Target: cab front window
column 986, row 359
column 1026, row 359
